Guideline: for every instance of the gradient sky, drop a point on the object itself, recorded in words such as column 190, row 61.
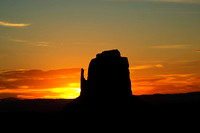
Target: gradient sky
column 44, row 43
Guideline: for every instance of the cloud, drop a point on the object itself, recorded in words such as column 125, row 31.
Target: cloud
column 37, row 83
column 33, row 43
column 140, row 80
column 166, row 84
column 177, row 1
column 170, row 46
column 177, row 75
column 18, row 41
column 174, row 1
column 166, row 89
column 198, row 51
column 13, row 24
column 141, row 67
column 41, row 44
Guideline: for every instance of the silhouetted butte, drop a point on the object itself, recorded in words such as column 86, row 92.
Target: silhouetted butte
column 108, row 86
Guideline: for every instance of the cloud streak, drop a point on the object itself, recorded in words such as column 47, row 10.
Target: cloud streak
column 18, row 40
column 170, row 46
column 141, row 67
column 7, row 24
column 177, row 1
column 33, row 43
column 173, row 1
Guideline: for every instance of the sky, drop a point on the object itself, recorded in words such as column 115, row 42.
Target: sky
column 45, row 43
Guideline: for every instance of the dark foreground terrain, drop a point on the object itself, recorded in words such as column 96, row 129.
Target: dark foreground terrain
column 172, row 102
column 167, row 111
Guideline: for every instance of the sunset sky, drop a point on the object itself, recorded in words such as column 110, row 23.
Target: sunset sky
column 45, row 43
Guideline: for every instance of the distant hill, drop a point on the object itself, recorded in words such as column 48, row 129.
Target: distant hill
column 183, row 98
column 56, row 105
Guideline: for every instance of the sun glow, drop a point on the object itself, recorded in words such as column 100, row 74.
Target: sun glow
column 66, row 93
column 51, row 93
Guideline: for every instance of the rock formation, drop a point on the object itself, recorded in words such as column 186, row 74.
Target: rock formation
column 108, row 86
column 108, row 77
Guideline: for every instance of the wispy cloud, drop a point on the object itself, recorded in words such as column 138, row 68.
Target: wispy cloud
column 33, row 43
column 177, row 1
column 141, row 67
column 42, row 44
column 13, row 39
column 174, row 1
column 7, row 24
column 18, row 40
column 177, row 75
column 170, row 46
column 148, row 80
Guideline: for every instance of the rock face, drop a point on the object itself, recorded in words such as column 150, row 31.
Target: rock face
column 108, row 77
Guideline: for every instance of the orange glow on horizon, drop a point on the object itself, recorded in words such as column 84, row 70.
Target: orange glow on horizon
column 53, row 93
column 65, row 83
